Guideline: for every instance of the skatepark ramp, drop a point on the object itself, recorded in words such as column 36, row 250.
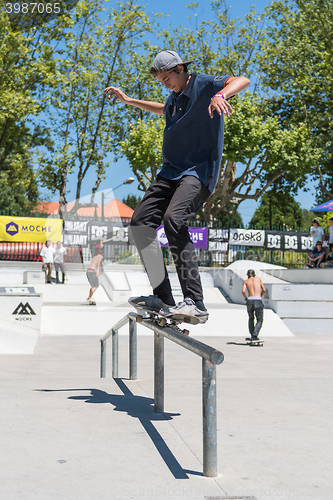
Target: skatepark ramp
column 210, row 358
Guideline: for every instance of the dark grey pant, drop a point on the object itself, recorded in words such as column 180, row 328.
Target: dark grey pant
column 255, row 308
column 173, row 202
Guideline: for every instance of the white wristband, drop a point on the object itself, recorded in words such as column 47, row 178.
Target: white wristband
column 219, row 95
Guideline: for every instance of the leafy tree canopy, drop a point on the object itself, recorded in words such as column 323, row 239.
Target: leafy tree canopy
column 132, row 201
column 277, row 209
column 296, row 64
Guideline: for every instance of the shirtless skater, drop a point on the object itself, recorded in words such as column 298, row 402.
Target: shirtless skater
column 93, row 272
column 255, row 307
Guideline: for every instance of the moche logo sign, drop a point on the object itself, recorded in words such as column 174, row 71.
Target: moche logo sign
column 12, row 228
column 24, row 310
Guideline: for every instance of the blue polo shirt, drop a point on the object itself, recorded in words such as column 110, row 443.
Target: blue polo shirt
column 192, row 141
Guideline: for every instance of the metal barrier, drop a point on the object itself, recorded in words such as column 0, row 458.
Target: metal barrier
column 210, row 358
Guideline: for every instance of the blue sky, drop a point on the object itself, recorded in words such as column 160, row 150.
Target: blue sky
column 118, row 172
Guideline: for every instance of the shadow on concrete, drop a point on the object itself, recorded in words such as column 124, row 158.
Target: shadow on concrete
column 141, row 408
column 237, row 343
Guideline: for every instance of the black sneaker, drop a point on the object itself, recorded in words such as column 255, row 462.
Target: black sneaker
column 147, row 302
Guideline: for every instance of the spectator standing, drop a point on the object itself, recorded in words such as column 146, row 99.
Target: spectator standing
column 317, row 233
column 47, row 254
column 59, row 264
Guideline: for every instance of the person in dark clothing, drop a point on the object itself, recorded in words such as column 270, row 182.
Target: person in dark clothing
column 317, row 256
column 192, row 152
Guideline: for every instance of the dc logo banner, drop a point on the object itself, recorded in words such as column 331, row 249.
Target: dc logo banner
column 306, row 244
column 98, row 232
column 288, row 242
column 291, row 242
column 274, row 240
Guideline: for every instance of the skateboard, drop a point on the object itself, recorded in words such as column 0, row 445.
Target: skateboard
column 258, row 342
column 172, row 321
column 90, row 303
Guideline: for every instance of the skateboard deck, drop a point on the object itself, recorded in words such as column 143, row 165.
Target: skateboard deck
column 172, row 320
column 90, row 303
column 258, row 342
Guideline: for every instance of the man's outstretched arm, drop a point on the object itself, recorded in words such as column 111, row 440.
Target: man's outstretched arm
column 235, row 85
column 117, row 94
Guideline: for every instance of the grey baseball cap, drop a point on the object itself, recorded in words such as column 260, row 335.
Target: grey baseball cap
column 166, row 60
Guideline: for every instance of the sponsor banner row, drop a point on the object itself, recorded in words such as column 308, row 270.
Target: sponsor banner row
column 83, row 233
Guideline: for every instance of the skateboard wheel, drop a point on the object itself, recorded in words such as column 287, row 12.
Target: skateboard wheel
column 162, row 322
column 186, row 332
column 139, row 319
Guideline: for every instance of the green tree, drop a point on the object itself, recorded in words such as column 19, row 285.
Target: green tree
column 307, row 217
column 81, row 119
column 143, row 149
column 297, row 62
column 227, row 220
column 132, row 201
column 27, row 51
column 257, row 148
column 324, row 220
column 276, row 209
column 138, row 134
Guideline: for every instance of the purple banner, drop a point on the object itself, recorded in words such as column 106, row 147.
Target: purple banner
column 199, row 236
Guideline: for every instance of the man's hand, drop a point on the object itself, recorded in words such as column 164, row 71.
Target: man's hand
column 220, row 105
column 115, row 93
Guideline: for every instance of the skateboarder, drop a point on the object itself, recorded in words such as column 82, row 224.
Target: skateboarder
column 192, row 152
column 255, row 289
column 93, row 273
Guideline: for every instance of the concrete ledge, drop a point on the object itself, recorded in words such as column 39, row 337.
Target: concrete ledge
column 308, row 325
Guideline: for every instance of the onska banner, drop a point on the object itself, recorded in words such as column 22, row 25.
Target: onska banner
column 26, row 229
column 198, row 235
column 247, row 237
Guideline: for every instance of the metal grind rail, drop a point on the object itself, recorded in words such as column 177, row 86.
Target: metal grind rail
column 210, row 358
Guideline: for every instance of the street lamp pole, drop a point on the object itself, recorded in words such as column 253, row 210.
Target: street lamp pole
column 127, row 181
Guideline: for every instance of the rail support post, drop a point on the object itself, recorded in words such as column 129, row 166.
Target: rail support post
column 209, row 419
column 103, row 358
column 114, row 353
column 133, row 355
column 158, row 373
